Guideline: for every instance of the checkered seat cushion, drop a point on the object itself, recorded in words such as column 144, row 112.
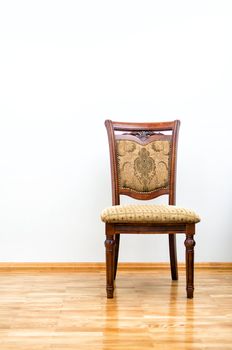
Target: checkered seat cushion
column 133, row 213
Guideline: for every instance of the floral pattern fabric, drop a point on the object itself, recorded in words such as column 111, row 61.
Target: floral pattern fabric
column 143, row 168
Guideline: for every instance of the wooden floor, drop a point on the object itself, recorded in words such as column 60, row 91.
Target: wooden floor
column 70, row 311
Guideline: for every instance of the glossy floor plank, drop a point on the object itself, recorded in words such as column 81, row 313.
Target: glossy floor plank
column 70, row 311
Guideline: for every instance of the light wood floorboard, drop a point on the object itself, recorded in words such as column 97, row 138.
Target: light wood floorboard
column 64, row 311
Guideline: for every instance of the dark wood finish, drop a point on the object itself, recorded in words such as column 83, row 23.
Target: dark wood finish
column 122, row 126
column 172, row 201
column 189, row 244
column 134, row 194
column 143, row 139
column 116, row 252
column 148, row 228
column 173, row 256
column 110, row 256
column 113, row 162
column 144, row 133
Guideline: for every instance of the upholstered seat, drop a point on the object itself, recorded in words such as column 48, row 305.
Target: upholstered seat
column 156, row 214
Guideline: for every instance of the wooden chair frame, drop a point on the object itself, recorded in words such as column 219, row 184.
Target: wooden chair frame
column 114, row 230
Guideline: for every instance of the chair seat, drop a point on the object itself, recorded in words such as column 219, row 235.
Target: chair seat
column 157, row 214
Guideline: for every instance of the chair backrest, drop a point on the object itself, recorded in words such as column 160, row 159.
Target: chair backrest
column 143, row 159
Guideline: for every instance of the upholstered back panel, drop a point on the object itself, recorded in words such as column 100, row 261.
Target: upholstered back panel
column 143, row 167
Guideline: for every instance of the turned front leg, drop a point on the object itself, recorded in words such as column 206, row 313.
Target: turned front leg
column 110, row 244
column 189, row 244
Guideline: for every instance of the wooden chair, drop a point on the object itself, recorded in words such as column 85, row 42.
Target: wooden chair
column 143, row 166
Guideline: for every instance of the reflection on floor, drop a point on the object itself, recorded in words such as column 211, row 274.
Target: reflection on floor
column 70, row 311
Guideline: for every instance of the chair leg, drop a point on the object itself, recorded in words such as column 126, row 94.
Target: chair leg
column 189, row 244
column 173, row 256
column 109, row 244
column 117, row 242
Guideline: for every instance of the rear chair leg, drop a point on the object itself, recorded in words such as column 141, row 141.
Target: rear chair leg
column 173, row 256
column 109, row 244
column 189, row 244
column 117, row 242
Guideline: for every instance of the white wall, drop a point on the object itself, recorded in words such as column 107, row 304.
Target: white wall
column 66, row 66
